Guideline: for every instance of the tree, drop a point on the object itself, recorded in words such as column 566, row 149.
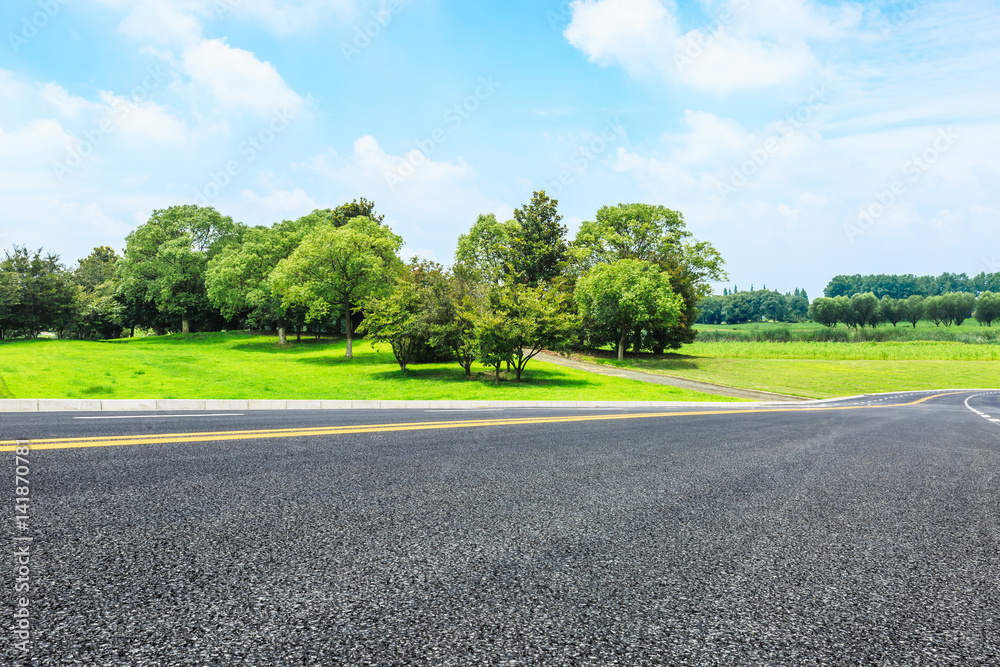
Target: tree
column 626, row 294
column 935, row 310
column 96, row 268
column 912, row 309
column 451, row 324
column 37, row 293
column 653, row 234
column 335, row 268
column 988, row 308
column 238, row 279
column 540, row 318
column 891, row 309
column 485, row 250
column 537, row 241
column 846, row 312
column 825, row 311
column 865, row 308
column 959, row 306
column 166, row 258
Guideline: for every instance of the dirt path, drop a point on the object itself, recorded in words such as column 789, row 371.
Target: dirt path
column 669, row 380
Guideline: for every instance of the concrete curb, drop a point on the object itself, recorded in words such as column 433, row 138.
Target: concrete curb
column 182, row 405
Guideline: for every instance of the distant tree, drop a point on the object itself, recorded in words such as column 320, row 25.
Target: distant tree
column 711, row 310
column 335, row 268
column 774, row 306
column 958, row 306
column 912, row 309
column 865, row 308
column 935, row 310
column 846, row 312
column 97, row 268
column 825, row 311
column 891, row 309
column 626, row 294
column 988, row 308
column 537, row 241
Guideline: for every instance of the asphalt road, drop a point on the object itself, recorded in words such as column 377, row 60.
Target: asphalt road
column 859, row 533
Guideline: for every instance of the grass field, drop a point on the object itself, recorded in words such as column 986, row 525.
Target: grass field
column 246, row 366
column 826, row 370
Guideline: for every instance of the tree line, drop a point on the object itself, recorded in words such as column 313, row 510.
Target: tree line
column 867, row 310
column 905, row 286
column 631, row 278
column 738, row 307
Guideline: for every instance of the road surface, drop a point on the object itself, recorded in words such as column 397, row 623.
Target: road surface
column 860, row 532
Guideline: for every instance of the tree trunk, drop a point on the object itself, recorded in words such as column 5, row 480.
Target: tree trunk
column 185, row 324
column 282, row 338
column 621, row 345
column 496, row 377
column 132, row 332
column 350, row 329
column 468, row 369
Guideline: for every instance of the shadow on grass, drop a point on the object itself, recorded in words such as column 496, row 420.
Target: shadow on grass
column 416, row 373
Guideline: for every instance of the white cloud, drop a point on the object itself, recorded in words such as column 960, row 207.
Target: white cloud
column 236, row 79
column 438, row 200
column 751, row 45
column 144, row 119
column 26, row 156
column 64, row 104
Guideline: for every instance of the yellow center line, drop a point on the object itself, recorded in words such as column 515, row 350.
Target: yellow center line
column 219, row 436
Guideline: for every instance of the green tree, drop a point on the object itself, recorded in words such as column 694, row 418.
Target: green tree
column 166, row 258
column 335, row 268
column 626, row 294
column 485, row 250
column 97, row 268
column 825, row 311
column 935, row 310
column 37, row 292
column 654, row 234
column 959, row 306
column 238, row 279
column 541, row 318
column 912, row 309
column 537, row 241
column 866, row 311
column 988, row 308
column 451, row 324
column 891, row 309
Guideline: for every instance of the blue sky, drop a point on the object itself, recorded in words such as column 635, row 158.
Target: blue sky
column 802, row 138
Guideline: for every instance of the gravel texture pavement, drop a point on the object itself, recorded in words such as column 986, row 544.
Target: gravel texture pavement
column 866, row 536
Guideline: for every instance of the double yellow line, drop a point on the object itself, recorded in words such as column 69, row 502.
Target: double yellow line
column 220, row 436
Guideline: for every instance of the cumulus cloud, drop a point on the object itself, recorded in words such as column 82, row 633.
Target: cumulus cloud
column 745, row 46
column 236, row 79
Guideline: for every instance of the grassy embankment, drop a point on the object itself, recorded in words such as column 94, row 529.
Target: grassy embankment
column 928, row 357
column 246, row 366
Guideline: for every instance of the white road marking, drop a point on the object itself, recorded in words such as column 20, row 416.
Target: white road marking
column 231, row 414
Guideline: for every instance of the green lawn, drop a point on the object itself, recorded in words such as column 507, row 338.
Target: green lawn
column 826, row 370
column 246, row 366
